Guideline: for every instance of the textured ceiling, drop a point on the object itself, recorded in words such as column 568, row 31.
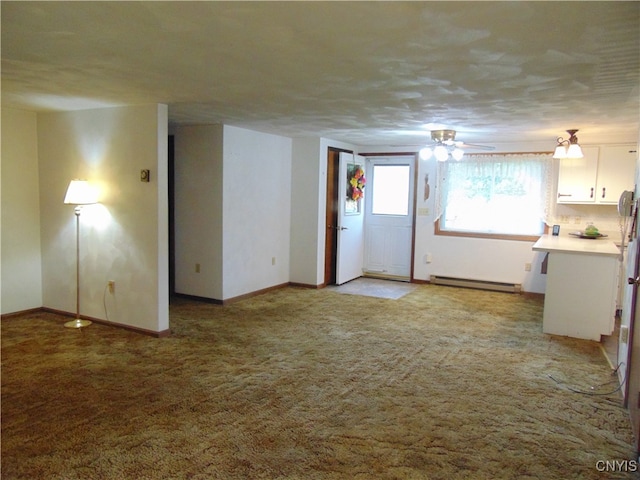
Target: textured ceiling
column 367, row 73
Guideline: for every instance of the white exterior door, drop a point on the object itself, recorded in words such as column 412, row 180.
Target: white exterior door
column 350, row 251
column 389, row 217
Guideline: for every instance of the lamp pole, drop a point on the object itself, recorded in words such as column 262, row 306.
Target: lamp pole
column 77, row 212
column 78, row 322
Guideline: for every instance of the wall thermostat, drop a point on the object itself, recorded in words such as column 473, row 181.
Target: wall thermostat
column 145, row 175
column 556, row 230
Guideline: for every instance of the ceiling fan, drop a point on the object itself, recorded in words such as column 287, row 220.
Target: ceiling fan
column 445, row 144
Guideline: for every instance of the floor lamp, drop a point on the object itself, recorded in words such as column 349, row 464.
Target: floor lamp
column 79, row 193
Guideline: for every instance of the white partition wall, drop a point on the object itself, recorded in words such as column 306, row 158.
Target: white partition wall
column 198, row 210
column 233, row 211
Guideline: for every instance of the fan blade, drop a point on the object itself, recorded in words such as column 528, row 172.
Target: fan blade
column 474, row 145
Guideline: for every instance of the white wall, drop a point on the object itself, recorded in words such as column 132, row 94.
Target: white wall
column 256, row 210
column 273, row 206
column 233, row 210
column 307, row 190
column 21, row 260
column 475, row 258
column 309, row 204
column 198, row 210
column 125, row 237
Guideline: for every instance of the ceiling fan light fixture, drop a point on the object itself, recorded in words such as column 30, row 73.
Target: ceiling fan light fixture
column 441, row 153
column 445, row 146
column 568, row 148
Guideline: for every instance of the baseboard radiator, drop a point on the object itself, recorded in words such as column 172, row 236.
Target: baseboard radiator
column 477, row 284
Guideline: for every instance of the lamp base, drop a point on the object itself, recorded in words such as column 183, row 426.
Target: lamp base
column 77, row 323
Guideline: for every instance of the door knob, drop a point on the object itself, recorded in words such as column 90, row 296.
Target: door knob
column 633, row 281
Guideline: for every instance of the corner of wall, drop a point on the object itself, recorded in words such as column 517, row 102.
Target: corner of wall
column 21, row 259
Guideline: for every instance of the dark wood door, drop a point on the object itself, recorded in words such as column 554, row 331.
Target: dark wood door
column 331, row 215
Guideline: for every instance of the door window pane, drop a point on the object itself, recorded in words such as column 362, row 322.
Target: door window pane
column 390, row 190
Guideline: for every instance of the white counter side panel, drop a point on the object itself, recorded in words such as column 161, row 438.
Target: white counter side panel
column 580, row 295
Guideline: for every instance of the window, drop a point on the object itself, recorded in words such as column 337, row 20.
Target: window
column 487, row 195
column 390, row 190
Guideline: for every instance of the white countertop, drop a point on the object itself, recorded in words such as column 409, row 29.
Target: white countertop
column 567, row 244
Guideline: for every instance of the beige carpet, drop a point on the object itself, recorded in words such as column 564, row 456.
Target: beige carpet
column 442, row 383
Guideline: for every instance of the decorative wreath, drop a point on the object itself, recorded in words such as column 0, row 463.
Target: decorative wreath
column 355, row 175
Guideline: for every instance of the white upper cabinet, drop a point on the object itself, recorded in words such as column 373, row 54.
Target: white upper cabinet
column 577, row 177
column 616, row 172
column 599, row 177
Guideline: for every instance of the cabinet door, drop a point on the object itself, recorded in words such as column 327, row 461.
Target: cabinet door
column 616, row 172
column 577, row 177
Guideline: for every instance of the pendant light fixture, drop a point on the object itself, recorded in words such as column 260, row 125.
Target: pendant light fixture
column 568, row 148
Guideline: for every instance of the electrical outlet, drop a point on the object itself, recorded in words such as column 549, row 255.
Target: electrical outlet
column 112, row 286
column 624, row 334
column 197, row 268
column 273, row 260
column 527, row 267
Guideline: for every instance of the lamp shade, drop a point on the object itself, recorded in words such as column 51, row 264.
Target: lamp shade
column 441, row 153
column 560, row 152
column 574, row 151
column 457, row 154
column 80, row 192
column 426, row 153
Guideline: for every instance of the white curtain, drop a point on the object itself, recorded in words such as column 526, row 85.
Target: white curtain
column 531, row 170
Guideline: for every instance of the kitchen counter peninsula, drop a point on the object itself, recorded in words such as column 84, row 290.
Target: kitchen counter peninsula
column 582, row 276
